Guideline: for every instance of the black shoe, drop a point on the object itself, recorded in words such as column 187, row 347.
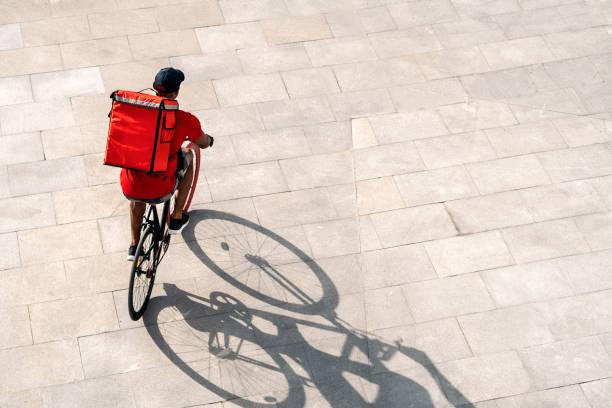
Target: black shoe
column 131, row 253
column 176, row 226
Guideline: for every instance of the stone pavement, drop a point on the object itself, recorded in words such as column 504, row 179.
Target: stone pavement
column 408, row 204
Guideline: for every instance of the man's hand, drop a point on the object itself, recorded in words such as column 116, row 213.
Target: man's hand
column 204, row 141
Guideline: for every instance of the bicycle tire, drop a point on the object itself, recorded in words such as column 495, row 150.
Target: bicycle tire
column 145, row 255
column 196, row 170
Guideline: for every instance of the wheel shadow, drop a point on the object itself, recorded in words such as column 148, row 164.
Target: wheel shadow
column 261, row 357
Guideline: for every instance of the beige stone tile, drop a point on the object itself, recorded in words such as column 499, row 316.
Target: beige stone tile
column 414, row 40
column 579, row 131
column 378, row 302
column 500, row 374
column 16, row 90
column 270, row 145
column 73, row 318
column 333, row 238
column 476, row 115
column 230, row 37
column 244, row 181
column 318, row 170
column 587, row 272
column 134, row 349
column 228, row 121
column 427, row 337
column 568, row 396
column 422, row 12
column 103, row 201
column 409, row 225
column 96, row 52
column 242, row 90
column 10, row 251
column 469, row 253
column 396, row 266
column 505, row 329
column 40, row 283
column 344, row 197
column 466, row 32
column 510, row 83
column 201, row 67
column 378, row 74
column 562, row 200
column 310, row 82
column 572, row 44
column 27, row 212
column 489, row 212
column 42, row 176
column 189, row 15
column 596, row 229
column 295, row 112
column 427, row 187
column 451, row 63
column 332, row 52
column 122, row 22
column 98, row 173
column 328, row 137
column 263, row 60
column 16, row 328
column 59, row 242
column 111, row 391
column 295, row 29
column 603, row 185
column 21, row 148
column 355, row 104
column 65, row 84
column 77, row 7
column 98, row 274
column 567, row 362
column 508, row 174
column 163, row 44
column 386, row 160
column 526, row 138
column 134, row 74
column 515, row 53
column 29, row 117
column 223, row 155
column 543, row 240
column 15, row 11
column 4, row 182
column 399, row 127
column 22, row 399
column 577, row 163
column 598, row 393
column 74, row 141
column 428, row 95
column 454, row 296
column 294, row 208
column 378, row 195
column 40, row 365
column 368, row 235
column 362, row 133
column 455, row 149
column 30, row 60
column 197, row 95
column 236, row 11
column 55, row 31
column 114, row 233
column 350, row 23
column 527, row 283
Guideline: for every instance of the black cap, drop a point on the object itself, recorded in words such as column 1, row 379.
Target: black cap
column 168, row 80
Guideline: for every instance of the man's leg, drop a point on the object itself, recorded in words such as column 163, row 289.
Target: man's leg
column 137, row 210
column 183, row 191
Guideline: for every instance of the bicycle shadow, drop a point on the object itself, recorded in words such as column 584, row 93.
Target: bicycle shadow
column 261, row 358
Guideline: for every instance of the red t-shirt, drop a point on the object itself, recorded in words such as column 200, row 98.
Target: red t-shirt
column 138, row 184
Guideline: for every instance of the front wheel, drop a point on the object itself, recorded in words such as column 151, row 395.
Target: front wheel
column 143, row 274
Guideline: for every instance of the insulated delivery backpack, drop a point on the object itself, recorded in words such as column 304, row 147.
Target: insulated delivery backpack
column 140, row 131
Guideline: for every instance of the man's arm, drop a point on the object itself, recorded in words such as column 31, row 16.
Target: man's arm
column 204, row 141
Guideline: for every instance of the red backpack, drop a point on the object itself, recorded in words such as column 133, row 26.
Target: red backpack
column 140, row 131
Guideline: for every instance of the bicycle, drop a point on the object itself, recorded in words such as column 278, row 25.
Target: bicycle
column 153, row 245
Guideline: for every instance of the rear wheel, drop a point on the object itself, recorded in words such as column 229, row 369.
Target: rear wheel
column 143, row 274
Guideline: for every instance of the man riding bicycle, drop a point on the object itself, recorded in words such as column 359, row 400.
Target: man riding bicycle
column 139, row 187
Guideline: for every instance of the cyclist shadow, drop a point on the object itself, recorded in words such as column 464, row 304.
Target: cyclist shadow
column 276, row 364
